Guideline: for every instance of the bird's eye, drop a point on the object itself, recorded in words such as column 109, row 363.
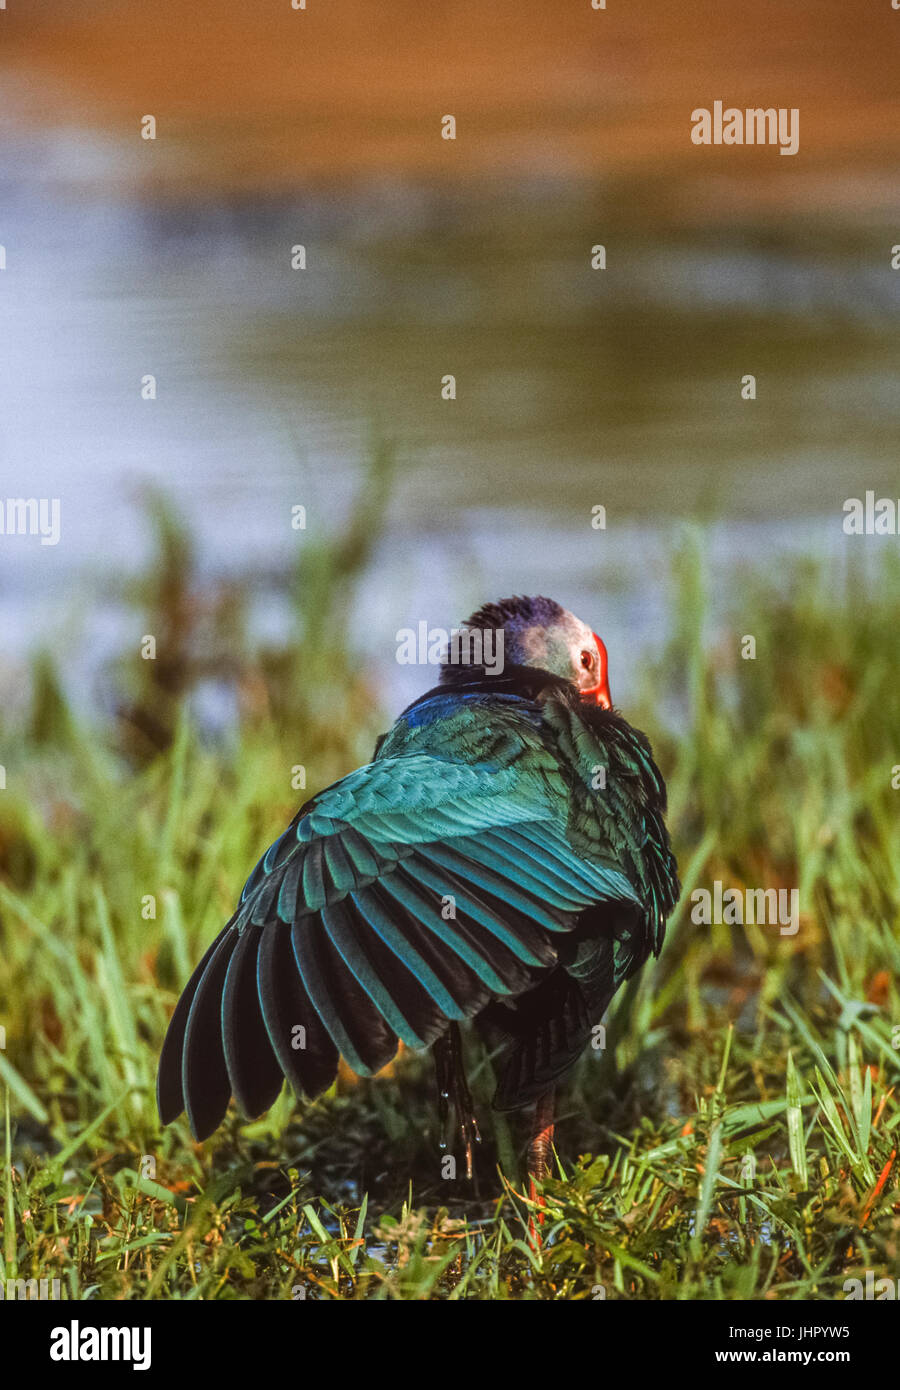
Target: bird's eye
column 587, row 660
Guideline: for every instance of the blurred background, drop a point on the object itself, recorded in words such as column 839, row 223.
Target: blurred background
column 129, row 784
column 575, row 387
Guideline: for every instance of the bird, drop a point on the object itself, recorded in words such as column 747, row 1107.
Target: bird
column 502, row 861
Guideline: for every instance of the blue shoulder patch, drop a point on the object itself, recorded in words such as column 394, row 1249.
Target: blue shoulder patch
column 440, row 706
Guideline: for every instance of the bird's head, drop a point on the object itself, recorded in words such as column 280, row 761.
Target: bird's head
column 541, row 633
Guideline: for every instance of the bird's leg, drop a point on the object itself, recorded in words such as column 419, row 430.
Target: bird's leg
column 462, row 1099
column 539, row 1151
column 443, row 1062
column 451, row 1082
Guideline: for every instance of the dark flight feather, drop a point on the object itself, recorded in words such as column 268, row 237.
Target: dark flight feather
column 305, row 1051
column 204, row 1076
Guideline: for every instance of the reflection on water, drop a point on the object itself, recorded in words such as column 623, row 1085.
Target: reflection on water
column 575, row 387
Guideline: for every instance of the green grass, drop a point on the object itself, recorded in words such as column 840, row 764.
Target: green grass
column 730, row 1142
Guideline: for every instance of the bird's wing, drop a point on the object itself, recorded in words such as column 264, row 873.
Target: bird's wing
column 405, row 896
